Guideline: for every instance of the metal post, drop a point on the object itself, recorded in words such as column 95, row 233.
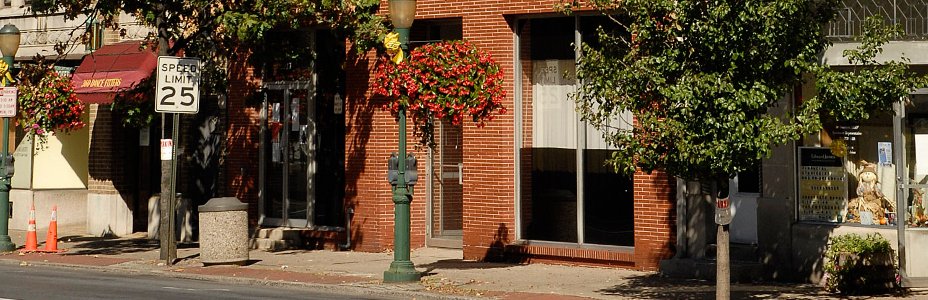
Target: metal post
column 167, row 238
column 401, row 269
column 6, row 244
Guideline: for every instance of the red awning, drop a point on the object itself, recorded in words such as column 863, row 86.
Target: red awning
column 112, row 69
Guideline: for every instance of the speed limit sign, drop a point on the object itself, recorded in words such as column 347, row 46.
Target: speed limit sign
column 178, row 85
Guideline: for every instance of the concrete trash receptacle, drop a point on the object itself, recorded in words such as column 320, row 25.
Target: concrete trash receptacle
column 224, row 231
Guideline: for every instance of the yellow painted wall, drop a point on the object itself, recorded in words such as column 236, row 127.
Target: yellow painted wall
column 63, row 162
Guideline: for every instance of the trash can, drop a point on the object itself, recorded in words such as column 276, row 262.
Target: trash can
column 224, row 231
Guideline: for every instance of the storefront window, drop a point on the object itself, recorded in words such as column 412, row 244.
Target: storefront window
column 847, row 174
column 915, row 136
column 569, row 193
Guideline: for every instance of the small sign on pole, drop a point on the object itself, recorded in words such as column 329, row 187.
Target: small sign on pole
column 723, row 211
column 178, row 85
column 8, row 101
column 167, row 149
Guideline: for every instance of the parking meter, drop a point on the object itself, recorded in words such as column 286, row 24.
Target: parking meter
column 412, row 176
column 7, row 166
column 393, row 168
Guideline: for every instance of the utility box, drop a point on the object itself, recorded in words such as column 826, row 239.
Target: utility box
column 224, row 231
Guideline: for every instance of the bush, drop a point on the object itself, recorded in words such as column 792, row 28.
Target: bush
column 859, row 265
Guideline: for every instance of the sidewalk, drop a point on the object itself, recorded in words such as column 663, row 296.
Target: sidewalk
column 446, row 275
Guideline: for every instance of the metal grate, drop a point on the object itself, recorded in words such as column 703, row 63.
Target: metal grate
column 911, row 15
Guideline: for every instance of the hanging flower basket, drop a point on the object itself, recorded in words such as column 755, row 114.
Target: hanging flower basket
column 47, row 104
column 448, row 81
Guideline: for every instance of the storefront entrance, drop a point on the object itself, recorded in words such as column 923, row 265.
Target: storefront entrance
column 447, row 187
column 288, row 153
column 911, row 144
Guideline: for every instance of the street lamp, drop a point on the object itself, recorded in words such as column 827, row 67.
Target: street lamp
column 402, row 13
column 9, row 44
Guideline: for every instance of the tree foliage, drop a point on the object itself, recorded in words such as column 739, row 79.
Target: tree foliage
column 216, row 31
column 701, row 78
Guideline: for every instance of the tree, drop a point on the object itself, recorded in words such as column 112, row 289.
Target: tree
column 220, row 33
column 215, row 31
column 701, row 76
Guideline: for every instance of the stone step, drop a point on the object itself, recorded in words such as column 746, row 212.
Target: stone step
column 274, row 245
column 736, row 252
column 280, row 233
column 690, row 268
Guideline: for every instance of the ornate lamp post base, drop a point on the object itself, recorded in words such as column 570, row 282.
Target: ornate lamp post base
column 401, row 271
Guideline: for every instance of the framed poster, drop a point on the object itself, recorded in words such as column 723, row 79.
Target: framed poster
column 822, row 185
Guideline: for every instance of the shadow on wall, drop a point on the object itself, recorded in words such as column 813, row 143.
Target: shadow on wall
column 500, row 249
column 114, row 158
column 359, row 124
column 242, row 136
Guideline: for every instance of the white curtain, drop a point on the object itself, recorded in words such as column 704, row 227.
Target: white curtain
column 554, row 113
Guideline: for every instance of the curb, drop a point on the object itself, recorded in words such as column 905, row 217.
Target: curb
column 353, row 289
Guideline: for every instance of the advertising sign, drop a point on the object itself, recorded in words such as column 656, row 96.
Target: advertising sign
column 822, row 185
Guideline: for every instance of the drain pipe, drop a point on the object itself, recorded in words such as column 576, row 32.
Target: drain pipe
column 349, row 213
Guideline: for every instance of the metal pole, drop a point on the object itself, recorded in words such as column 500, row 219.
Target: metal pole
column 166, row 235
column 401, row 269
column 6, row 244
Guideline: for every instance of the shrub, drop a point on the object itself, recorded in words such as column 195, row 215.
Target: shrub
column 859, row 265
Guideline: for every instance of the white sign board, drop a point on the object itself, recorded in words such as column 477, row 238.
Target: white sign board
column 8, row 102
column 178, row 85
column 167, row 149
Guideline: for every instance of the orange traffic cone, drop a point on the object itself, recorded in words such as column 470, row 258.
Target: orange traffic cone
column 51, row 241
column 31, row 239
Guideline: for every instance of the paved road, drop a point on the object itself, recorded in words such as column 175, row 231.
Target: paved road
column 42, row 282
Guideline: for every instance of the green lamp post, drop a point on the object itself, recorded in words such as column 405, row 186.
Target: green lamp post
column 402, row 13
column 9, row 44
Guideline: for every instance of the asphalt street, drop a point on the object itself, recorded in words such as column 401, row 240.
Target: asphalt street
column 43, row 282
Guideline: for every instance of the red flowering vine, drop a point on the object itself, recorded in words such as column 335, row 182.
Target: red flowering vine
column 445, row 81
column 48, row 106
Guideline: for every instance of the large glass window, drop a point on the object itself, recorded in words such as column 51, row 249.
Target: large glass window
column 569, row 193
column 847, row 173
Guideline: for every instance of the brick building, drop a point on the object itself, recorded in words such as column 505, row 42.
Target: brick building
column 309, row 150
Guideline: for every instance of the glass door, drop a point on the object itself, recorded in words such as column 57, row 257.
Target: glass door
column 912, row 217
column 447, row 186
column 288, row 149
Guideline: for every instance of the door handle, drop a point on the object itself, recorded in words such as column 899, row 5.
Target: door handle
column 461, row 173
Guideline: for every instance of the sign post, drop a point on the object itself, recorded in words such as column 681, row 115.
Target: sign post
column 177, row 92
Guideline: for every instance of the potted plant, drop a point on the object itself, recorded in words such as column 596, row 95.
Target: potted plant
column 856, row 264
column 47, row 104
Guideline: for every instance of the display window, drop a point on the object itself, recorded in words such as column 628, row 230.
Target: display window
column 847, row 173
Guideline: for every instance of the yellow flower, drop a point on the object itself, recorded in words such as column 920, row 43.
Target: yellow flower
column 5, row 71
column 392, row 43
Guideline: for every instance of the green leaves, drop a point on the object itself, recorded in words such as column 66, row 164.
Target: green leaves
column 704, row 80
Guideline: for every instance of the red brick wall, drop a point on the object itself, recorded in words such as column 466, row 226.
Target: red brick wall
column 655, row 218
column 111, row 170
column 489, row 156
column 489, row 208
column 241, row 165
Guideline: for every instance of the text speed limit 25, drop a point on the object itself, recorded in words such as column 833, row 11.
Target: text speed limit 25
column 178, row 85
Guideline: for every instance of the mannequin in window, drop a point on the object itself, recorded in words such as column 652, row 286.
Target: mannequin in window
column 869, row 198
